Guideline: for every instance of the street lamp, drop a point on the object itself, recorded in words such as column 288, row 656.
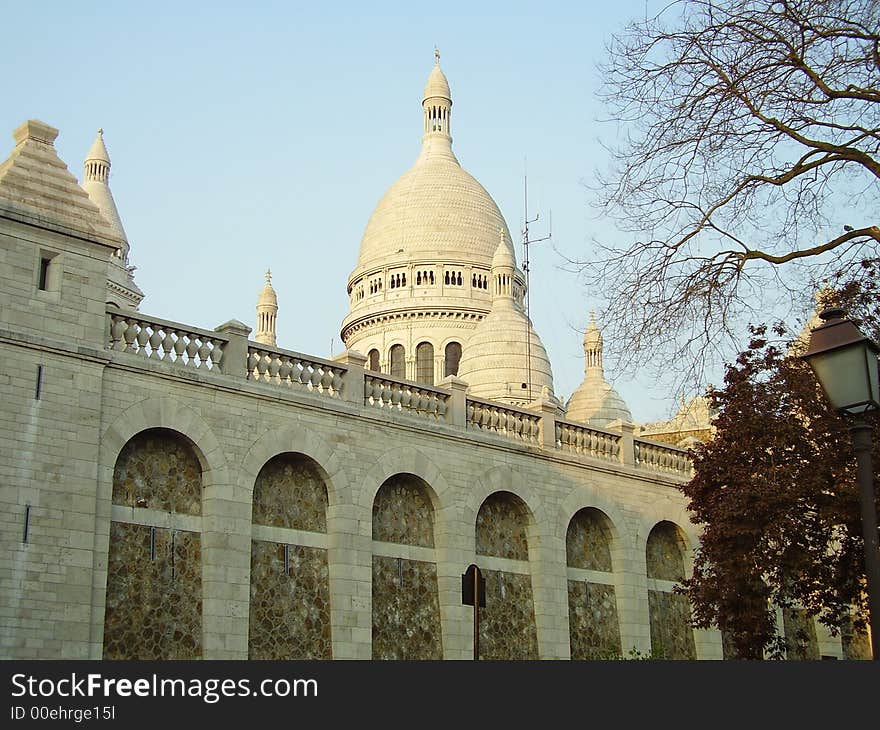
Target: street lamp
column 845, row 364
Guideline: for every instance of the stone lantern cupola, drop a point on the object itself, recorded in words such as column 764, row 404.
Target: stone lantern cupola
column 267, row 313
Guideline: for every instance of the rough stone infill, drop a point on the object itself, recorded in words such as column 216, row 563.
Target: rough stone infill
column 154, row 594
column 665, row 553
column 406, row 610
column 592, row 620
column 289, row 609
column 403, row 513
column 158, row 470
column 501, row 527
column 290, row 492
column 588, row 542
column 671, row 634
column 507, row 623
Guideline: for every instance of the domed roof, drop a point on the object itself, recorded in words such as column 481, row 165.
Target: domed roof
column 595, row 402
column 504, row 355
column 437, row 85
column 494, row 362
column 268, row 297
column 436, row 210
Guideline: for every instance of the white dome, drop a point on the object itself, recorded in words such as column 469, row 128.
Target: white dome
column 426, row 252
column 435, row 211
column 596, row 403
column 505, row 359
column 437, row 85
column 495, row 360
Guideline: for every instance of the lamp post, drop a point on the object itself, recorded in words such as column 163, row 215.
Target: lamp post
column 845, row 364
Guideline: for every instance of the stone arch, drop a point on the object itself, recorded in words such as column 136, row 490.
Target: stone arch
column 159, row 469
column 505, row 479
column 153, row 595
column 678, row 516
column 666, row 561
column 666, row 550
column 290, row 492
column 296, row 440
column 406, row 622
column 501, row 527
column 163, row 412
column 289, row 613
column 407, row 461
column 403, row 511
column 509, row 628
column 589, row 539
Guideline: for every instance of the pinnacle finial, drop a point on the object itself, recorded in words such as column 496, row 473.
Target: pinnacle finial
column 101, row 131
column 268, row 276
column 436, row 56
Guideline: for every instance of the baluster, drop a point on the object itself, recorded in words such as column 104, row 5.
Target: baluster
column 252, row 364
column 143, row 338
column 470, row 412
column 326, row 379
column 167, row 345
column 315, row 379
column 398, row 392
column 284, row 370
column 117, row 330
column 338, row 382
column 273, row 367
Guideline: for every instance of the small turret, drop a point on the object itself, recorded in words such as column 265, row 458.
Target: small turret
column 267, row 313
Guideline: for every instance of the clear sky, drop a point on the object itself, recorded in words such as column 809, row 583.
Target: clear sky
column 247, row 136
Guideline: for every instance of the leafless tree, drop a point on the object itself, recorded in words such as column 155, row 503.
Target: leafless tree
column 745, row 168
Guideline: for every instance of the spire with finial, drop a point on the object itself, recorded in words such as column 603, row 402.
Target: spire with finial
column 267, row 313
column 96, row 182
column 437, row 106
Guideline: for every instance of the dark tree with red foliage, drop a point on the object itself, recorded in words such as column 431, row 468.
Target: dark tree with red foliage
column 776, row 492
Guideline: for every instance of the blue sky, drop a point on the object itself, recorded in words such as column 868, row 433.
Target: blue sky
column 246, row 137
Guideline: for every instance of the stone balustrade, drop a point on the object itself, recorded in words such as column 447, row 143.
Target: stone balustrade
column 227, row 351
column 662, row 458
column 514, row 423
column 294, row 370
column 159, row 339
column 580, row 439
column 384, row 391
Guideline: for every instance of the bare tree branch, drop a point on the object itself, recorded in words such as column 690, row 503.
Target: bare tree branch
column 747, row 163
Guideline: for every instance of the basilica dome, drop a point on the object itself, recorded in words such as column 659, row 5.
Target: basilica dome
column 422, row 279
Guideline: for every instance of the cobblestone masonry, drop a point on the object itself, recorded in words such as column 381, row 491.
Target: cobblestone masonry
column 289, row 610
column 406, row 612
column 507, row 623
column 671, row 634
column 592, row 618
column 403, row 513
column 501, row 527
column 587, row 543
column 665, row 553
column 154, row 604
column 289, row 492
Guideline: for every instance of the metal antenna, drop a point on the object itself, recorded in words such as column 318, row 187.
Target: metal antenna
column 526, row 242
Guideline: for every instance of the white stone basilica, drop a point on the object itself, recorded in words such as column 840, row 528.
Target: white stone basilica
column 177, row 492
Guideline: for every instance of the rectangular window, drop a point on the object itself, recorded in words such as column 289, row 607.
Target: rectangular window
column 44, row 272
